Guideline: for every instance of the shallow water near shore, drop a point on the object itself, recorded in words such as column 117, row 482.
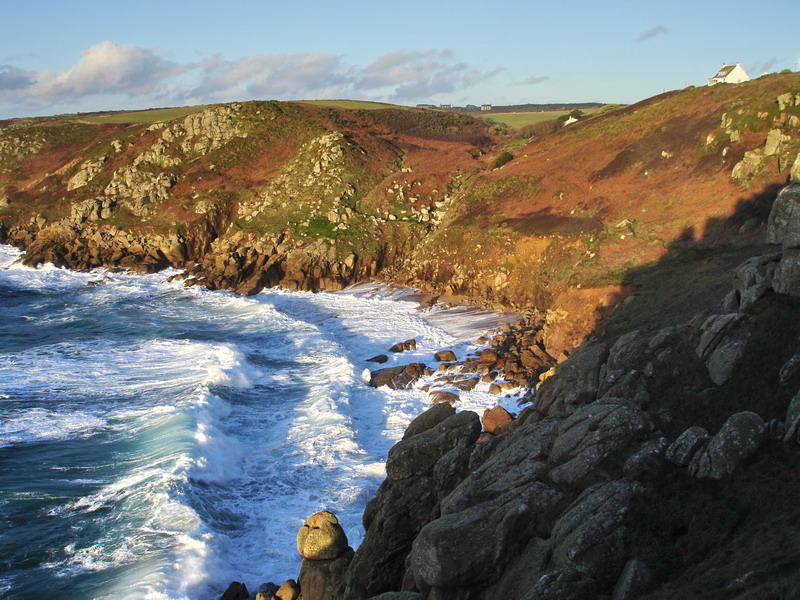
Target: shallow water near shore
column 158, row 441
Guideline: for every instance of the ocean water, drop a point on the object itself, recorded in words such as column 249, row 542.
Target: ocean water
column 158, row 441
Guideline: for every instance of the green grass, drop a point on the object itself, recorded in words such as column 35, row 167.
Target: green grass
column 144, row 116
column 520, row 119
column 352, row 104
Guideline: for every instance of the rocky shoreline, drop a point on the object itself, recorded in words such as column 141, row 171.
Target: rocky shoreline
column 553, row 503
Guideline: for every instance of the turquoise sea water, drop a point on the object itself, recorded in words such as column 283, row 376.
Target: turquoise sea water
column 158, row 441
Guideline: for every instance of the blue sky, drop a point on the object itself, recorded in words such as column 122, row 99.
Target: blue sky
column 58, row 57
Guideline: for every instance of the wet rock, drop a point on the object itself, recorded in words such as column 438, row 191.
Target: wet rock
column 739, row 437
column 441, row 397
column 488, row 355
column 404, row 346
column 321, row 537
column 590, row 536
column 681, row 451
column 445, row 356
column 397, row 378
column 523, row 572
column 496, row 420
column 380, row 358
column 236, row 591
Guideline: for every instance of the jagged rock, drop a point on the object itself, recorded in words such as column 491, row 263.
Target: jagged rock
column 465, row 548
column 775, row 138
column 404, row 346
column 590, row 536
column 681, row 451
column 783, row 225
column 515, row 464
column 563, row 583
column 266, row 591
column 429, row 419
column 397, row 378
column 635, row 579
column 750, row 165
column 593, row 433
column 444, row 356
column 86, row 173
column 380, row 359
column 321, row 537
column 407, row 499
column 419, row 453
column 577, row 382
column 496, row 420
column 440, row 397
column 754, row 277
column 236, row 591
column 790, row 373
column 714, row 329
column 739, row 437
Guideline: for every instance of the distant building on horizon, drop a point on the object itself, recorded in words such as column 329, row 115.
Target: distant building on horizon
column 486, row 107
column 730, row 74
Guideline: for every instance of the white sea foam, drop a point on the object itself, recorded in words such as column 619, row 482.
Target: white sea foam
column 243, row 415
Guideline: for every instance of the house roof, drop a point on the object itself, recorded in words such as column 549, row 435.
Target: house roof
column 725, row 71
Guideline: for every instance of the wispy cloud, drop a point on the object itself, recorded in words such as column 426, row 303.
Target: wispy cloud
column 764, row 67
column 107, row 70
column 535, row 80
column 651, row 33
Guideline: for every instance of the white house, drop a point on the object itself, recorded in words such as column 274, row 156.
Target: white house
column 730, row 74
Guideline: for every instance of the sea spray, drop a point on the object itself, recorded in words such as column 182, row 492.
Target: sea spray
column 159, row 441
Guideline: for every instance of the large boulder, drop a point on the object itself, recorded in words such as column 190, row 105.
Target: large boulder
column 783, row 225
column 787, row 273
column 590, row 536
column 515, row 464
column 575, row 383
column 592, row 434
column 754, row 277
column 398, row 378
column 739, row 437
column 469, row 547
column 324, row 579
column 321, row 537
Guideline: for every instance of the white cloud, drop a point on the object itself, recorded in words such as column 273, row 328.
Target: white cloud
column 107, row 68
column 132, row 74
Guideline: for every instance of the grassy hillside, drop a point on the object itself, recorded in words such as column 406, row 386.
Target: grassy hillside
column 573, row 220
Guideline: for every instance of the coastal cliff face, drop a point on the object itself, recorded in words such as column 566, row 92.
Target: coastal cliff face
column 635, row 240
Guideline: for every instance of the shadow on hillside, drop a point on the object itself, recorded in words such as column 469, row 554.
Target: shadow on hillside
column 698, row 535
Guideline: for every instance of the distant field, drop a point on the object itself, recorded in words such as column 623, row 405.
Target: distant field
column 353, row 104
column 520, row 119
column 144, row 116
